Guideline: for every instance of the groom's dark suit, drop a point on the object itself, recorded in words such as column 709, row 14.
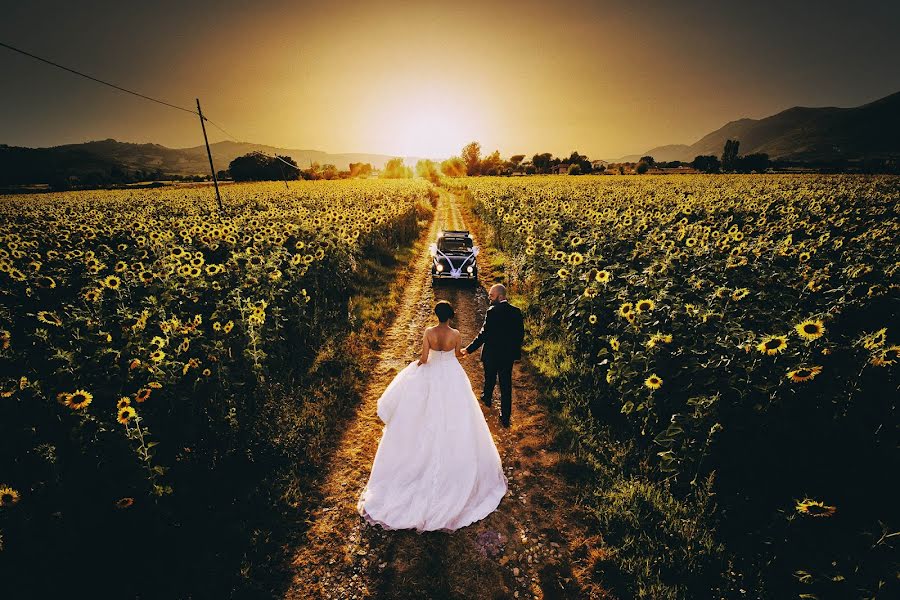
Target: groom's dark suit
column 501, row 335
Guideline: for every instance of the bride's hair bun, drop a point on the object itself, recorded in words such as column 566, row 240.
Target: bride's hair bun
column 443, row 310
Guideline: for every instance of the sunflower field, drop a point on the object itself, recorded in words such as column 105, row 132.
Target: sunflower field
column 155, row 356
column 724, row 352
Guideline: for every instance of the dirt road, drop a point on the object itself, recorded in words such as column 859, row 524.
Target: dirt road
column 524, row 549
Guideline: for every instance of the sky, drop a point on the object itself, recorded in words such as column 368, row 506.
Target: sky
column 424, row 78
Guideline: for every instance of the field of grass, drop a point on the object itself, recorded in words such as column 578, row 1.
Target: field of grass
column 170, row 374
column 723, row 352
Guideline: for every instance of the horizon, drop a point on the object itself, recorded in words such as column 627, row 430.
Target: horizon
column 350, row 78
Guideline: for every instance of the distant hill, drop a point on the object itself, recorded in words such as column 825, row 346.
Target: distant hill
column 40, row 165
column 803, row 134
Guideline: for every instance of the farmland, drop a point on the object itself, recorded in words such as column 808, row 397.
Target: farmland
column 723, row 352
column 162, row 362
column 708, row 402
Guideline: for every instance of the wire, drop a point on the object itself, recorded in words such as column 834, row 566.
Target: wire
column 112, row 85
column 139, row 95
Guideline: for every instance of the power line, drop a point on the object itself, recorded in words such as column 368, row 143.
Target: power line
column 112, row 85
column 139, row 95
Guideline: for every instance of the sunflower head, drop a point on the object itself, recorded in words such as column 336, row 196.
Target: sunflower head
column 125, row 415
column 814, row 508
column 643, row 306
column 625, row 309
column 772, row 344
column 654, row 382
column 8, row 496
column 78, row 399
column 49, row 317
column 123, row 503
column 810, row 329
column 803, row 373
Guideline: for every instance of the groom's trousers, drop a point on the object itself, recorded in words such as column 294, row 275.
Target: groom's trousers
column 502, row 371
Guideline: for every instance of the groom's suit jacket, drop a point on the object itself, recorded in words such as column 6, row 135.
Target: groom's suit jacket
column 501, row 334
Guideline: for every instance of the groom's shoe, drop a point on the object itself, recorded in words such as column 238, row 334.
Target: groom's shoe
column 504, row 421
column 486, row 402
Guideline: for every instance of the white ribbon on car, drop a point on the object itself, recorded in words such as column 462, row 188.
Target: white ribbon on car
column 455, row 272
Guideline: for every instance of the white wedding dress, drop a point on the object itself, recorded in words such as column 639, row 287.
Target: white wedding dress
column 436, row 467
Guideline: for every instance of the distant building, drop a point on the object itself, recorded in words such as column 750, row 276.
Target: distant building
column 563, row 169
column 597, row 165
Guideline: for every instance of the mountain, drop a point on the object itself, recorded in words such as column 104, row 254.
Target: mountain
column 803, row 134
column 41, row 165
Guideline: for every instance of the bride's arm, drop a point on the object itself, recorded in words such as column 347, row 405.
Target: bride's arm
column 459, row 353
column 423, row 356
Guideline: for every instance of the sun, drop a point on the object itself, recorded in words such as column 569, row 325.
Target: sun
column 424, row 121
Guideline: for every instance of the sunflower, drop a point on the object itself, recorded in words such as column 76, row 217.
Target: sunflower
column 592, row 319
column 93, row 295
column 657, row 338
column 814, row 508
column 576, row 258
column 625, row 309
column 45, row 281
column 643, row 306
column 125, row 415
column 123, row 402
column 122, row 503
column 772, row 344
column 810, row 329
column 5, row 337
column 803, row 374
column 112, row 282
column 49, row 317
column 8, row 496
column 876, row 339
column 207, row 372
column 142, row 395
column 157, row 356
column 614, row 343
column 78, row 399
column 227, row 327
column 121, row 266
column 654, row 382
column 888, row 356
column 603, row 276
column 146, row 276
column 739, row 294
column 562, row 273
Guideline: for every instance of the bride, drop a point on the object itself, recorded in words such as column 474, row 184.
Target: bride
column 436, row 467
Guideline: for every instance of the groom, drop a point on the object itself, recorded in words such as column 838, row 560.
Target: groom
column 501, row 335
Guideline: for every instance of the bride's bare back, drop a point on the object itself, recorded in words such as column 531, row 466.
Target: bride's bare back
column 440, row 337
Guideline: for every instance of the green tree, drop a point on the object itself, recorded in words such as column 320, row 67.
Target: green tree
column 395, row 169
column 492, row 164
column 428, row 169
column 471, row 155
column 453, row 167
column 730, row 154
column 360, row 169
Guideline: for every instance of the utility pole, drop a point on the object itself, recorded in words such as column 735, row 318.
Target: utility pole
column 209, row 154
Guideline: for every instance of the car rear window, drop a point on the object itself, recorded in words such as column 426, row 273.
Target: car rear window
column 454, row 244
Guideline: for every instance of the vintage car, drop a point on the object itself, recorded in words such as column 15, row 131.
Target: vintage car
column 453, row 257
